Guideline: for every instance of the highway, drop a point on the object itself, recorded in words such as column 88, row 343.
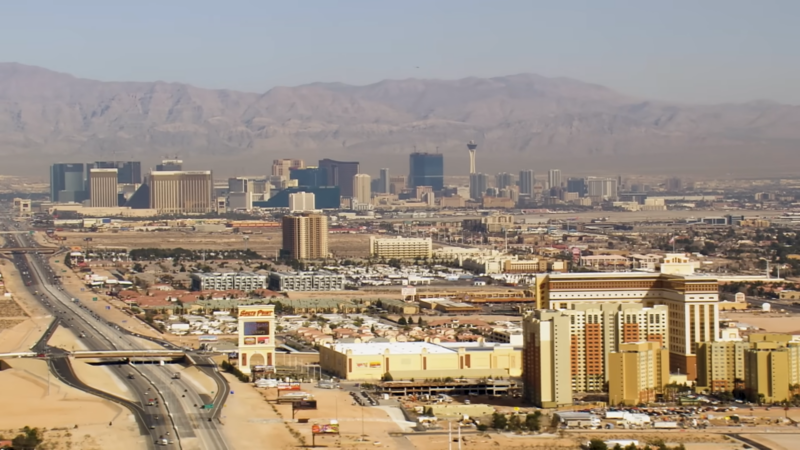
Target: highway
column 177, row 416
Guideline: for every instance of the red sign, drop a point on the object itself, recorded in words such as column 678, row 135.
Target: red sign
column 258, row 313
column 288, row 386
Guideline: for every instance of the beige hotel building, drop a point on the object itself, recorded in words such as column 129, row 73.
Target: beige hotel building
column 103, row 188
column 691, row 301
column 305, row 236
column 181, row 192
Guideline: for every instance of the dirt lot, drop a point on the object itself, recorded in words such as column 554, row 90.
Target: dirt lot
column 75, row 419
column 250, row 418
column 773, row 322
column 267, row 244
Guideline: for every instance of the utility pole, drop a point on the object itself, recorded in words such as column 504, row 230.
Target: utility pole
column 450, row 435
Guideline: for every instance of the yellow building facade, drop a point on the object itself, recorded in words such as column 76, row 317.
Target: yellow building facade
column 638, row 371
column 418, row 360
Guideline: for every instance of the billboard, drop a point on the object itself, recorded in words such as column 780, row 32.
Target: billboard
column 255, row 313
column 250, row 340
column 408, row 291
column 256, row 328
column 331, row 428
column 305, row 404
column 369, row 365
column 262, row 340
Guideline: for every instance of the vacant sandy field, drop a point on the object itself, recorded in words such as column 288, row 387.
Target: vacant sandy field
column 773, row 323
column 267, row 244
column 24, row 385
column 788, row 441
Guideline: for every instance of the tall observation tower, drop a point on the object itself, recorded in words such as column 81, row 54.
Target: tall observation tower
column 472, row 146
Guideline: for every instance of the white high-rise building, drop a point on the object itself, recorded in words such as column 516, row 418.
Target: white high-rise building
column 302, row 202
column 554, row 178
column 362, row 188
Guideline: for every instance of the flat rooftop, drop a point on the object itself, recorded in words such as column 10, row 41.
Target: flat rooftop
column 395, row 348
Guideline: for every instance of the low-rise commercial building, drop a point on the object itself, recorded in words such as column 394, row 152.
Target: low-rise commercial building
column 243, row 281
column 306, row 281
column 417, row 360
column 400, row 248
column 637, row 372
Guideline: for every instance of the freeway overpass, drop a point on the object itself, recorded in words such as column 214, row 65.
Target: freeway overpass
column 47, row 250
column 129, row 354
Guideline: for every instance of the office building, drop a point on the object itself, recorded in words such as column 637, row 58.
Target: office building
column 243, row 281
column 256, row 339
column 503, row 180
column 554, row 178
column 301, row 202
column 170, row 165
column 362, row 188
column 305, row 237
column 692, row 301
column 600, row 189
column 384, row 182
column 128, row 172
column 397, row 184
column 637, row 372
column 673, row 184
column 400, row 248
column 478, row 183
column 577, row 185
column 103, row 188
column 526, row 182
column 181, row 192
column 305, row 281
column 325, row 197
column 67, row 183
column 584, row 337
column 254, row 184
column 309, row 176
column 340, row 174
column 426, row 169
column 240, row 201
column 283, row 167
column 418, row 360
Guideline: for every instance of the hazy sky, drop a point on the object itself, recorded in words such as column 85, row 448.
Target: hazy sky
column 693, row 51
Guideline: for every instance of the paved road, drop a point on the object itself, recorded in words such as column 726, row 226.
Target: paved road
column 169, row 419
column 182, row 419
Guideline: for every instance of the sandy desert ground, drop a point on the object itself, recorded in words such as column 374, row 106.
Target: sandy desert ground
column 24, row 385
column 773, row 323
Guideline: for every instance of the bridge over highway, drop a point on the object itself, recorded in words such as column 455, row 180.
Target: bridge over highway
column 47, row 250
column 99, row 354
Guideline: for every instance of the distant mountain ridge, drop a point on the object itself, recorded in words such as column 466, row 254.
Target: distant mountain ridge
column 54, row 115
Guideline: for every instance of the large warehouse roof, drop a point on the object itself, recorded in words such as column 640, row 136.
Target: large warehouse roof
column 395, row 348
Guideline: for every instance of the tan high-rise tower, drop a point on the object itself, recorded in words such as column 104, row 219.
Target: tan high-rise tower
column 282, row 167
column 103, row 188
column 305, row 237
column 181, row 192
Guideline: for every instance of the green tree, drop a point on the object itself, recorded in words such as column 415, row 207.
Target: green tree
column 402, row 321
column 28, row 440
column 499, row 421
column 410, row 321
column 514, row 423
column 532, row 421
column 387, row 377
column 597, row 444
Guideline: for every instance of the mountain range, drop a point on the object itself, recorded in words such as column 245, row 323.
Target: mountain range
column 46, row 115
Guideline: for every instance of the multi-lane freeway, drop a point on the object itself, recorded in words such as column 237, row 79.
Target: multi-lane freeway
column 168, row 408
